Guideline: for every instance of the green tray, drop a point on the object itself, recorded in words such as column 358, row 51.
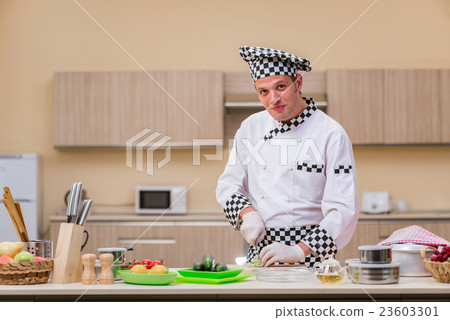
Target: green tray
column 212, row 281
column 148, row 279
column 232, row 272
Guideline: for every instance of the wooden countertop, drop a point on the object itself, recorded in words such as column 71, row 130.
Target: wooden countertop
column 250, row 289
column 214, row 216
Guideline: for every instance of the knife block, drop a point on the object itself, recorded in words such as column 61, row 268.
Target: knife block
column 67, row 262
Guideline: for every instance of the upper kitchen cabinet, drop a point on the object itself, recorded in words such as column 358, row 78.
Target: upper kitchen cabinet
column 355, row 100
column 105, row 109
column 391, row 106
column 412, row 106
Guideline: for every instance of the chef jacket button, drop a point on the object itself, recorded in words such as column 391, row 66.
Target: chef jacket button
column 291, row 169
column 261, row 196
column 288, row 199
column 264, row 167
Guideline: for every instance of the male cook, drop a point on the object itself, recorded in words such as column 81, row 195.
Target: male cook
column 289, row 185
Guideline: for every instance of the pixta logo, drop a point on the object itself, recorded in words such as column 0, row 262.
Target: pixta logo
column 145, row 140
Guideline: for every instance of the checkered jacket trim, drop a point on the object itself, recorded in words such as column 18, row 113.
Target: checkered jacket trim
column 314, row 236
column 309, row 167
column 234, row 206
column 339, row 169
column 285, row 126
column 321, row 243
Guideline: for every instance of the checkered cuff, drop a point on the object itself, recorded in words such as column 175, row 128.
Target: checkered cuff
column 234, row 206
column 321, row 243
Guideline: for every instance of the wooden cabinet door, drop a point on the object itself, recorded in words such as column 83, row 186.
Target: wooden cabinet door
column 106, row 109
column 218, row 239
column 355, row 100
column 411, row 106
column 366, row 233
column 153, row 241
column 445, row 105
column 197, row 109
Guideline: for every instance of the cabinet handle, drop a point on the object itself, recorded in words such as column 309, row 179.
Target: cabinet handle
column 146, row 241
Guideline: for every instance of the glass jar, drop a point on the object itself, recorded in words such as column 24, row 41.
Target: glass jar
column 329, row 271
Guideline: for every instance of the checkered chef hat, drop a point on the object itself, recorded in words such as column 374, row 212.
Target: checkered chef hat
column 265, row 62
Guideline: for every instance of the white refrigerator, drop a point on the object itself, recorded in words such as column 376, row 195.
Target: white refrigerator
column 20, row 172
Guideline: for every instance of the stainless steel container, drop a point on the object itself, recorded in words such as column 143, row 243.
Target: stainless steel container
column 379, row 273
column 41, row 248
column 375, row 254
column 118, row 253
column 408, row 255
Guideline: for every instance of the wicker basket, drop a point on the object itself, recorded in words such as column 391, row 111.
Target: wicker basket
column 32, row 272
column 439, row 270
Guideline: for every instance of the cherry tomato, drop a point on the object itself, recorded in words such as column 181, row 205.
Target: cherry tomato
column 155, row 263
column 147, row 262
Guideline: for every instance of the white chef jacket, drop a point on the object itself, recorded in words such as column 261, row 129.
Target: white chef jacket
column 303, row 176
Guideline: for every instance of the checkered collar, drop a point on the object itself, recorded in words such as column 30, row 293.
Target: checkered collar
column 285, row 126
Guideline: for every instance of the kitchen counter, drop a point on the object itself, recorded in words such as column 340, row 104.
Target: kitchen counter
column 250, row 289
column 130, row 216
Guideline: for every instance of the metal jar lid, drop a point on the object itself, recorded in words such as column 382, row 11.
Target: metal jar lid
column 373, row 247
column 112, row 249
column 408, row 247
column 358, row 263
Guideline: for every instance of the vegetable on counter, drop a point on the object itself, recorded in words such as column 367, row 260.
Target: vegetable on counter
column 148, row 264
column 10, row 249
column 207, row 264
column 441, row 256
column 256, row 263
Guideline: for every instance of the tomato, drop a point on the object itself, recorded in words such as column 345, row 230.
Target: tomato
column 147, row 262
column 155, row 263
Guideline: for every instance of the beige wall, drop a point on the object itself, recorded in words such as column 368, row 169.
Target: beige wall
column 39, row 37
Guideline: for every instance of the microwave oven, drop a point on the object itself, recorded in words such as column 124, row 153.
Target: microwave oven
column 160, row 199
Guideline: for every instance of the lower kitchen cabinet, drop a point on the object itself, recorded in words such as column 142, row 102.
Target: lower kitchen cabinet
column 373, row 231
column 365, row 233
column 179, row 244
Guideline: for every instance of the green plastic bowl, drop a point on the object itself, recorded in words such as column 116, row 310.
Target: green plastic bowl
column 147, row 279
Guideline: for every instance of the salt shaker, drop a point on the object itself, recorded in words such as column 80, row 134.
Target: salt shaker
column 106, row 274
column 89, row 275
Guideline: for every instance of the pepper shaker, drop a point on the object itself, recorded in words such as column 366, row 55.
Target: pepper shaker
column 89, row 275
column 106, row 274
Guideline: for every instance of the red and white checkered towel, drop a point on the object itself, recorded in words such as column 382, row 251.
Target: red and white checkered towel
column 417, row 235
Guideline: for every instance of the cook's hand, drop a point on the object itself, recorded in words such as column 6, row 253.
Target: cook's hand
column 280, row 252
column 252, row 228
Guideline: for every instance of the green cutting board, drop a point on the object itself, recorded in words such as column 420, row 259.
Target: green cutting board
column 232, row 272
column 212, row 281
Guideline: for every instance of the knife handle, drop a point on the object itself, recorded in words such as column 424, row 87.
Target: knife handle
column 84, row 212
column 70, row 203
